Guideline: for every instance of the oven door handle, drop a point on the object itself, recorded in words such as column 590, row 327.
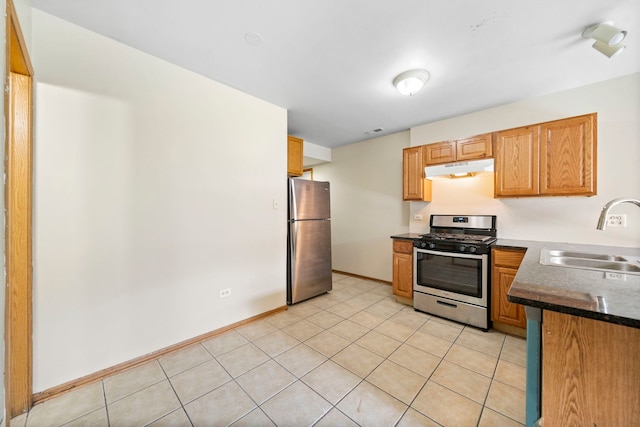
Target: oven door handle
column 449, row 254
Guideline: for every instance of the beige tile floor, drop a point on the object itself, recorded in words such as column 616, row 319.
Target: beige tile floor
column 351, row 357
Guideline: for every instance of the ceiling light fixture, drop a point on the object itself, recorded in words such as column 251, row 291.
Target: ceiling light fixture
column 607, row 38
column 411, row 82
column 607, row 50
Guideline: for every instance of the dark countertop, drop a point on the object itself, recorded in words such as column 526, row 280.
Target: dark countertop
column 585, row 293
column 406, row 236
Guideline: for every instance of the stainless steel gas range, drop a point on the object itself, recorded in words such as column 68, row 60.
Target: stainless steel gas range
column 451, row 268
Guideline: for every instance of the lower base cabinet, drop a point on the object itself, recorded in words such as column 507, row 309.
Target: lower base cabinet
column 505, row 264
column 590, row 372
column 403, row 268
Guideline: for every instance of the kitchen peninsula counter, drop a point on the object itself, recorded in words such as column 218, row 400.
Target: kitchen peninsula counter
column 583, row 338
column 579, row 292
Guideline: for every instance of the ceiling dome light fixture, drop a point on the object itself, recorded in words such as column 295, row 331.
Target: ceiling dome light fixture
column 607, row 38
column 411, row 82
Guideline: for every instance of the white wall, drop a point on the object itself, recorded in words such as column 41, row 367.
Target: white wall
column 366, row 203
column 561, row 219
column 315, row 154
column 154, row 189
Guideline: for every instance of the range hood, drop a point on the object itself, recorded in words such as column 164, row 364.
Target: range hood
column 458, row 169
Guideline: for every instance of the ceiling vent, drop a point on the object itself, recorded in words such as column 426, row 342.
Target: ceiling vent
column 374, row 131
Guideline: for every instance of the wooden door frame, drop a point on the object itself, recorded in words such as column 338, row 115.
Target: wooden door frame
column 18, row 105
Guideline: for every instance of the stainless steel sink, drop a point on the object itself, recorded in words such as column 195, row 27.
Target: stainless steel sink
column 591, row 261
column 584, row 255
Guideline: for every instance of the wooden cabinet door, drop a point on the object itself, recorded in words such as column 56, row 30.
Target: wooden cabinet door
column 294, row 156
column 568, row 156
column 413, row 182
column 474, row 148
column 414, row 186
column 403, row 268
column 501, row 309
column 590, row 372
column 403, row 274
column 440, row 152
column 517, row 162
column 505, row 263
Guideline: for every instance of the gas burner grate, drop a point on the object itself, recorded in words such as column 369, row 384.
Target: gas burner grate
column 468, row 238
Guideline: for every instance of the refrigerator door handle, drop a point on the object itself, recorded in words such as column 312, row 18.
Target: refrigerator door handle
column 292, row 237
column 293, row 204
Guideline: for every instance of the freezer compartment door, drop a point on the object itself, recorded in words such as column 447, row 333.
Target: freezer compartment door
column 309, row 199
column 310, row 259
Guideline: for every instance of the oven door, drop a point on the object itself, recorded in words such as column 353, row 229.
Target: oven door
column 460, row 277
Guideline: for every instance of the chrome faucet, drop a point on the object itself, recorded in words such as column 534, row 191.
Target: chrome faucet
column 602, row 221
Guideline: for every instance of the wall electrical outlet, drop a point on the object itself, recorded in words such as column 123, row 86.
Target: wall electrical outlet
column 615, row 276
column 417, row 217
column 276, row 205
column 616, row 220
column 225, row 293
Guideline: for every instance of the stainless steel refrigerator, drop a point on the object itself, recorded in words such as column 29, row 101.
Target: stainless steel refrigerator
column 308, row 240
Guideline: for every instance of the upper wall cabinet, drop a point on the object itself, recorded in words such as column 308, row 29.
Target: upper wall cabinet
column 516, row 162
column 294, row 156
column 568, row 156
column 476, row 147
column 414, row 186
column 440, row 152
column 555, row 158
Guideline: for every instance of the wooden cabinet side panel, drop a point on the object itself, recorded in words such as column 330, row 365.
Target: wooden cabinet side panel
column 440, row 152
column 427, row 190
column 412, row 173
column 476, row 147
column 295, row 148
column 517, row 162
column 568, row 156
column 590, row 372
column 403, row 274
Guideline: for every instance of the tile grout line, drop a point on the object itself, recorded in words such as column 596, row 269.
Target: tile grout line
column 174, row 392
column 106, row 407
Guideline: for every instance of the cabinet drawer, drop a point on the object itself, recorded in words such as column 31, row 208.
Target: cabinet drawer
column 508, row 257
column 403, row 246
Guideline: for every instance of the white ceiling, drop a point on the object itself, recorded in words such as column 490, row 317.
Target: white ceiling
column 330, row 63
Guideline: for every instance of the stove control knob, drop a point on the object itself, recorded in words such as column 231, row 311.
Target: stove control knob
column 432, row 245
column 472, row 249
column 423, row 244
column 462, row 248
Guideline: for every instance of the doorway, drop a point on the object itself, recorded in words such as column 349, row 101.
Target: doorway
column 18, row 104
